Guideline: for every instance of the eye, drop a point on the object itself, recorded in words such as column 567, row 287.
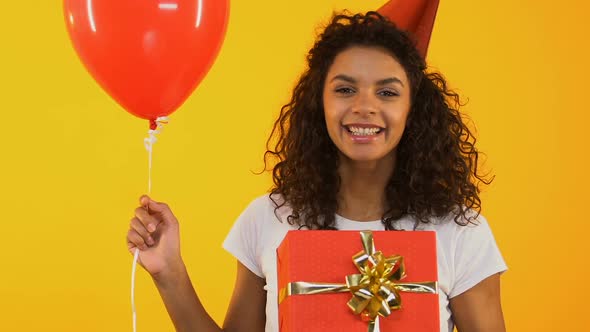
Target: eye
column 344, row 90
column 388, row 93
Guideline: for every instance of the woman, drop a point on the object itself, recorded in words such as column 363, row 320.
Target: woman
column 369, row 140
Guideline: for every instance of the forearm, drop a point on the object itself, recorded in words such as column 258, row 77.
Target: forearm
column 182, row 303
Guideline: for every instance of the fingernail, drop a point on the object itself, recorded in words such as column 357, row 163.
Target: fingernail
column 150, row 241
column 151, row 227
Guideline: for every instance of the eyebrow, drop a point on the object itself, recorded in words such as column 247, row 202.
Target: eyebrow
column 385, row 81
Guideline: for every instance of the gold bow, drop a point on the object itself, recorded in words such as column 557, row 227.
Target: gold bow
column 375, row 291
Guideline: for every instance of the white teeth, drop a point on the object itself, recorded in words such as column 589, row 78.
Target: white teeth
column 357, row 131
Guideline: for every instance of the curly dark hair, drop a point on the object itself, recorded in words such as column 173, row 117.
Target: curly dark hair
column 436, row 170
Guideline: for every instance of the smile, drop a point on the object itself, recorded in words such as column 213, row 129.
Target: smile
column 363, row 130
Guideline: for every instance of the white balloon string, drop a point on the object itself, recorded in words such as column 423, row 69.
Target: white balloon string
column 149, row 141
column 135, row 257
column 149, row 145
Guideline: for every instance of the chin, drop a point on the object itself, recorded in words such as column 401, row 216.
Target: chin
column 364, row 157
column 367, row 156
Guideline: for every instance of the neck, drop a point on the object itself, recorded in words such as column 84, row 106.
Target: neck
column 362, row 188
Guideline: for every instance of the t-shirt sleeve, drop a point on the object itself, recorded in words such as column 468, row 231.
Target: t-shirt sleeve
column 242, row 239
column 476, row 256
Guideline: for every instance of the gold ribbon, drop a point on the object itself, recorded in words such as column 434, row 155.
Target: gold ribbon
column 375, row 290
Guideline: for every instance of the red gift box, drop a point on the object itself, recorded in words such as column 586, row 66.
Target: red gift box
column 327, row 257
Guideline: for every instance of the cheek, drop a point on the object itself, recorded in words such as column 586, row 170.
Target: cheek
column 397, row 120
column 331, row 114
column 333, row 126
column 333, row 121
column 401, row 116
column 402, row 120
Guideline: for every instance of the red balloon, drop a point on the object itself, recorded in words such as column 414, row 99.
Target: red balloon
column 148, row 55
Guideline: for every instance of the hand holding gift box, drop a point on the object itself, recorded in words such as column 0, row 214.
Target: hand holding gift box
column 316, row 262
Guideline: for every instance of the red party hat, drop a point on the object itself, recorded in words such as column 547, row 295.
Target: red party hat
column 414, row 16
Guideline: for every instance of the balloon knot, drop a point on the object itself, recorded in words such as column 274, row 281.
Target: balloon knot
column 153, row 124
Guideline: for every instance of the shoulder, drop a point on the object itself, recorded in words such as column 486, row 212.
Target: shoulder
column 244, row 238
column 266, row 208
column 470, row 253
column 267, row 204
column 466, row 239
column 473, row 224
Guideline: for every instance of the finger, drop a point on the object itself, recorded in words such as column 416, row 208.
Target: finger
column 144, row 200
column 137, row 225
column 150, row 222
column 131, row 247
column 155, row 206
column 133, row 238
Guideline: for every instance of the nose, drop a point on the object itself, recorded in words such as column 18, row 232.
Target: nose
column 364, row 104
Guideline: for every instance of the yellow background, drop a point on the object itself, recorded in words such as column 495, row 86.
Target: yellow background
column 73, row 164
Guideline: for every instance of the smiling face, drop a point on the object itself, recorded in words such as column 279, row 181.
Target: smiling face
column 366, row 103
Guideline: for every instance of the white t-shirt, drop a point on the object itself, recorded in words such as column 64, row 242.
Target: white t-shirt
column 466, row 254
